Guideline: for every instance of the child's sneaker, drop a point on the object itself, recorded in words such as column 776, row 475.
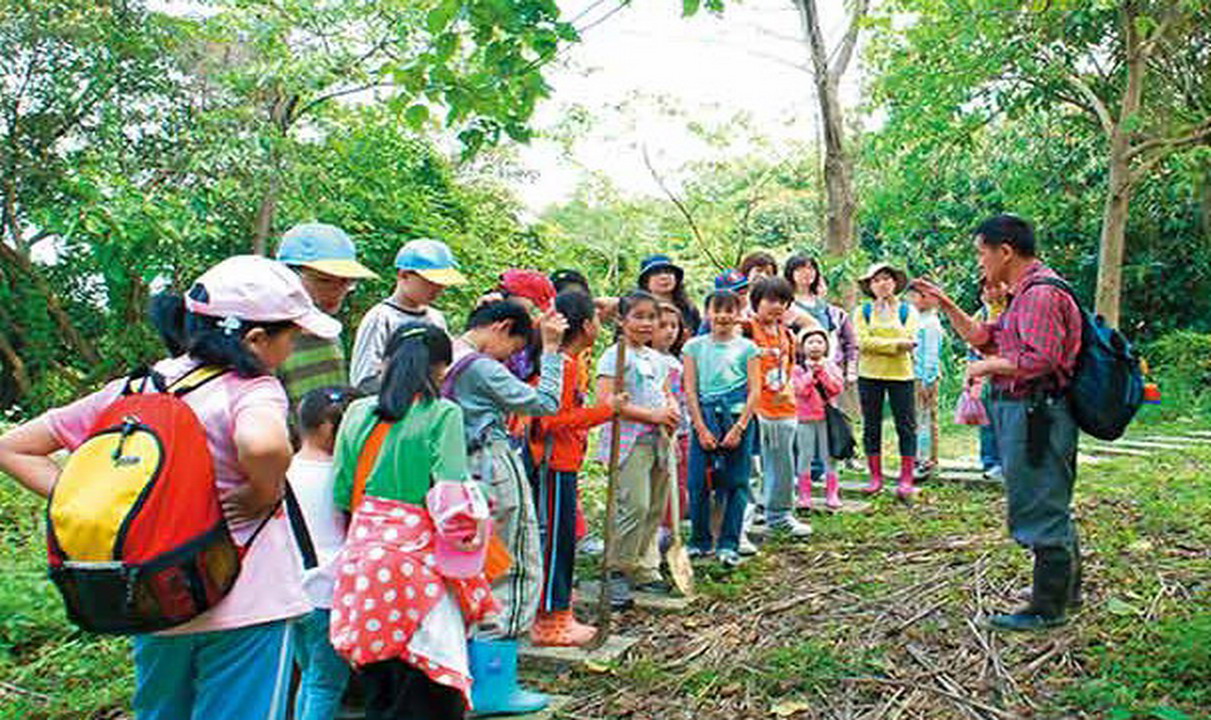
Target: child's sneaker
column 793, row 527
column 729, row 558
column 698, row 553
column 746, row 548
column 620, row 592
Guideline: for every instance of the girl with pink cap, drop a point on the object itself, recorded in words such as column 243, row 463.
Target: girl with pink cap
column 233, row 660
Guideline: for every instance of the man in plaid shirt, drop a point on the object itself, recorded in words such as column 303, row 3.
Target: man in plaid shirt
column 1029, row 353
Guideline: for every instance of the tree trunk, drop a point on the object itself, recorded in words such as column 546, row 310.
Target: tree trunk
column 838, row 168
column 1113, row 241
column 838, row 174
column 263, row 224
column 1119, row 185
column 16, row 367
column 21, row 265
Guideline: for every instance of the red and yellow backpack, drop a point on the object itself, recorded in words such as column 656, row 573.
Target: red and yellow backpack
column 137, row 540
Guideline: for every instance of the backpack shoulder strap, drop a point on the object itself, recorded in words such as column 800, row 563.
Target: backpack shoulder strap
column 366, row 462
column 195, row 379
column 456, row 370
column 868, row 310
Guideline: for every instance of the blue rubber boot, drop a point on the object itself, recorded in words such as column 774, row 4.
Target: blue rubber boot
column 494, row 689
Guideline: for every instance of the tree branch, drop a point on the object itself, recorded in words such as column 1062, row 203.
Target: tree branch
column 846, row 50
column 339, row 93
column 681, row 207
column 815, row 40
column 1095, row 103
column 1164, row 146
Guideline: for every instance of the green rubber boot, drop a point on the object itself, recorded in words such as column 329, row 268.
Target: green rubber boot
column 1053, row 582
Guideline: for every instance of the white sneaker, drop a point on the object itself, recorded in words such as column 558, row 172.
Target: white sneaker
column 995, row 473
column 746, row 546
column 792, row 526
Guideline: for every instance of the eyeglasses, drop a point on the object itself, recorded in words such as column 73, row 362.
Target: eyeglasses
column 327, row 282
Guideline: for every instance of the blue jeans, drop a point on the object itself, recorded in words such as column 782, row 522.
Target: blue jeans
column 241, row 674
column 323, row 673
column 990, row 457
column 723, row 472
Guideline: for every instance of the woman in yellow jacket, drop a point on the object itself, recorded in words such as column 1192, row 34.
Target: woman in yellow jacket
column 887, row 329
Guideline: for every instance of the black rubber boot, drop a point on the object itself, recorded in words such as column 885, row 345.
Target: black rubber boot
column 1076, row 598
column 1053, row 584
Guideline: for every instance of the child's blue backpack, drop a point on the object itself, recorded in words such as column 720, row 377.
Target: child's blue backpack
column 1107, row 386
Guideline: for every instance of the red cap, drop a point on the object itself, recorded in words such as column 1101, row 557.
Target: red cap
column 530, row 284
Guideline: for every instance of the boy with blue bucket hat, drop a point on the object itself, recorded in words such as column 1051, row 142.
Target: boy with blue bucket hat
column 326, row 261
column 423, row 269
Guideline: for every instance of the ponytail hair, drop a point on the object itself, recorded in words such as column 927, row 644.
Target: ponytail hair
column 411, row 353
column 166, row 312
column 211, row 341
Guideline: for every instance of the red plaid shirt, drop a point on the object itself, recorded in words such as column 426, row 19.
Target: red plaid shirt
column 1040, row 333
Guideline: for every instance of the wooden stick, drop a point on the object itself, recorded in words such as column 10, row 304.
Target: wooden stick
column 603, row 599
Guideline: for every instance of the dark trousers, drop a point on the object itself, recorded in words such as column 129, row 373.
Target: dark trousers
column 397, row 691
column 725, row 473
column 1037, row 442
column 902, row 396
column 555, row 494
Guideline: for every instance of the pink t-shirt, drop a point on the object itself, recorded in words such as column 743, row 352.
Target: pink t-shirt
column 269, row 586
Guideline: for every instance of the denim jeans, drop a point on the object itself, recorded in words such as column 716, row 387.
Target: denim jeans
column 990, row 457
column 778, row 467
column 323, row 673
column 722, row 472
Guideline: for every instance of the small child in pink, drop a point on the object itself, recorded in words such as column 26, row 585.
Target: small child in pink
column 817, row 381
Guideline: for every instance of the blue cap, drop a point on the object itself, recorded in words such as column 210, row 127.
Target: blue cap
column 432, row 260
column 657, row 263
column 731, row 280
column 321, row 247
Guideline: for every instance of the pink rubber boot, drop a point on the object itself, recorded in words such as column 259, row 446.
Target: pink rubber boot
column 875, row 464
column 904, row 486
column 805, row 491
column 832, row 491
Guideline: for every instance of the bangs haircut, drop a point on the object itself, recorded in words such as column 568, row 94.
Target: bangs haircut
column 756, row 260
column 775, row 289
column 496, row 311
column 800, row 260
column 723, row 300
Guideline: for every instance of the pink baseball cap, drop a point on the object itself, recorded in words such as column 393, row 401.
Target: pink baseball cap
column 459, row 554
column 254, row 288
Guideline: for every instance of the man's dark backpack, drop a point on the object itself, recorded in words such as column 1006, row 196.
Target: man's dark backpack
column 1107, row 385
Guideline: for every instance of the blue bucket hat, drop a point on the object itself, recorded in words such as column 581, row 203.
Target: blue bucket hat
column 321, row 247
column 658, row 263
column 731, row 280
column 432, row 260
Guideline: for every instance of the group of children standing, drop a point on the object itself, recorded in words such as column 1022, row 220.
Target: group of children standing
column 441, row 496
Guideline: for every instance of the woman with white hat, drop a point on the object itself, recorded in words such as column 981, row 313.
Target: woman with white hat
column 887, row 329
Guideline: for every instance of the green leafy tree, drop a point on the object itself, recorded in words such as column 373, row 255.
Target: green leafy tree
column 75, row 75
column 476, row 65
column 1134, row 69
